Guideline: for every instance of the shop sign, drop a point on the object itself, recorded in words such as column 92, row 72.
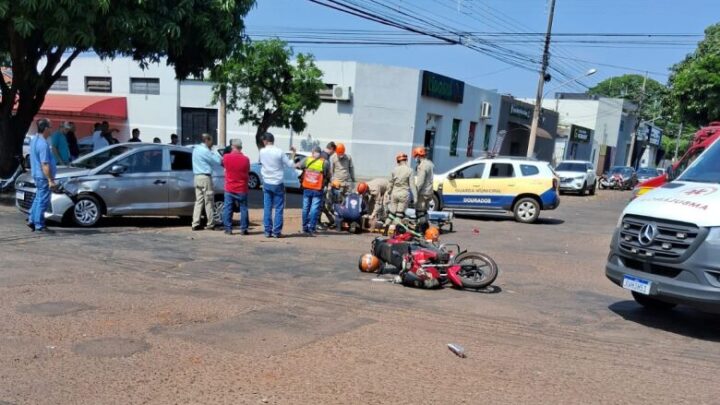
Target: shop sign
column 520, row 111
column 442, row 87
column 655, row 136
column 580, row 134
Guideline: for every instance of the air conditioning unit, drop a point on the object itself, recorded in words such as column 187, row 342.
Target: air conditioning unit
column 341, row 93
column 486, row 110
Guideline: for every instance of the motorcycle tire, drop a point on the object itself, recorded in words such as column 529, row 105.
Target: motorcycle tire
column 482, row 276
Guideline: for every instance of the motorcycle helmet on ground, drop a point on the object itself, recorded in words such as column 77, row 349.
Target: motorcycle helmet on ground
column 362, row 188
column 369, row 263
column 432, row 234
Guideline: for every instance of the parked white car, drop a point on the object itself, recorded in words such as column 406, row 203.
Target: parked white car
column 577, row 176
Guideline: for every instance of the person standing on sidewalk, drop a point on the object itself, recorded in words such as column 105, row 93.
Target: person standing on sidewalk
column 273, row 162
column 315, row 177
column 43, row 168
column 342, row 168
column 204, row 161
column 423, row 188
column 237, row 171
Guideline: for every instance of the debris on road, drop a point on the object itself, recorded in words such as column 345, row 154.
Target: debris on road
column 457, row 349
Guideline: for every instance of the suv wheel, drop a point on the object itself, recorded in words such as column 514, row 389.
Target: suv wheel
column 87, row 211
column 254, row 181
column 584, row 189
column 592, row 189
column 434, row 204
column 526, row 210
column 652, row 303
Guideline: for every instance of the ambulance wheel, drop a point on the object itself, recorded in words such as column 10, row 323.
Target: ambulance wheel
column 526, row 210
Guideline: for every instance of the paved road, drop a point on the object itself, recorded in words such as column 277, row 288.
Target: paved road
column 145, row 311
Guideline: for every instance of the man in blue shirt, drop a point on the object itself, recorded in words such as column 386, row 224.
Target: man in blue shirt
column 43, row 168
column 59, row 144
column 204, row 162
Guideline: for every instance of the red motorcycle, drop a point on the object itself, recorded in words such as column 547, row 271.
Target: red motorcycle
column 428, row 265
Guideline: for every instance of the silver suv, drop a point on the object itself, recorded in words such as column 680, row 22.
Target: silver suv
column 137, row 179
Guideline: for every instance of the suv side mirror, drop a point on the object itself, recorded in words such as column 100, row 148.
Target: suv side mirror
column 117, row 170
column 452, row 176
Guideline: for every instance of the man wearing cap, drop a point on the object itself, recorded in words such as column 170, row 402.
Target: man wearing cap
column 43, row 167
column 237, row 171
column 273, row 162
column 315, row 177
column 59, row 144
column 204, row 161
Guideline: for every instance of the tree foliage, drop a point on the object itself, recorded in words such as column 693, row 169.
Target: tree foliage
column 630, row 87
column 695, row 82
column 39, row 39
column 267, row 87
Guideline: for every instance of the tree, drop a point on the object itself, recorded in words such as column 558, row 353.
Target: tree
column 630, row 87
column 695, row 82
column 39, row 40
column 262, row 82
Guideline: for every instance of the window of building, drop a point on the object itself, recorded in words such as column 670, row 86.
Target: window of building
column 529, row 170
column 501, row 170
column 486, row 138
column 454, row 137
column 326, row 93
column 180, row 161
column 61, row 84
column 144, row 85
column 471, row 139
column 95, row 84
column 471, row 172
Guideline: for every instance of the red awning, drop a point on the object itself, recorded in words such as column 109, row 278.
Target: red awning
column 86, row 106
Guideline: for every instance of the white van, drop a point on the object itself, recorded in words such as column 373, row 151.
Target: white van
column 666, row 248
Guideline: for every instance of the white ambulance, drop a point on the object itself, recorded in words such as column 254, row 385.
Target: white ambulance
column 666, row 248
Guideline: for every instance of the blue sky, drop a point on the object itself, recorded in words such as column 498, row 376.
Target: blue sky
column 571, row 16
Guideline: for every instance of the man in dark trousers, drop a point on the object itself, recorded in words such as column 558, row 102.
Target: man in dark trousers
column 237, row 171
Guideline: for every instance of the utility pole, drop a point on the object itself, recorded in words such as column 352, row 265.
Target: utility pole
column 222, row 119
column 677, row 142
column 633, row 137
column 541, row 83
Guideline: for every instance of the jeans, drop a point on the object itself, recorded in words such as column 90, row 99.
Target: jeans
column 40, row 203
column 242, row 201
column 273, row 199
column 312, row 202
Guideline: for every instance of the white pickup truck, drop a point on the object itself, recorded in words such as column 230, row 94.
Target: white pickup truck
column 666, row 248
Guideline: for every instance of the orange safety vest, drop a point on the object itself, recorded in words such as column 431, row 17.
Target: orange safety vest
column 313, row 177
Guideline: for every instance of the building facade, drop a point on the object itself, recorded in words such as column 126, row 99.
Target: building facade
column 612, row 121
column 516, row 118
column 376, row 111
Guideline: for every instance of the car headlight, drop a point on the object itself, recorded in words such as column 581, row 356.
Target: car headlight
column 579, row 177
column 714, row 234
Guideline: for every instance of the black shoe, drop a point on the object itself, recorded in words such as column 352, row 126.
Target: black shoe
column 31, row 226
column 278, row 236
column 228, row 233
column 267, row 235
column 244, row 233
column 44, row 230
column 211, row 228
column 196, row 228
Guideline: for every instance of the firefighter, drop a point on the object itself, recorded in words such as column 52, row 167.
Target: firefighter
column 375, row 192
column 399, row 187
column 423, row 188
column 342, row 168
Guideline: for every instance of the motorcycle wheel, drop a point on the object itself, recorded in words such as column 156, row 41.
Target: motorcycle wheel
column 477, row 269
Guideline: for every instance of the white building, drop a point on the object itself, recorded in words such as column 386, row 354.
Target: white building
column 611, row 119
column 382, row 110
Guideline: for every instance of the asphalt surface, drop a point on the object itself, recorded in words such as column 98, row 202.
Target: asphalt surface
column 146, row 311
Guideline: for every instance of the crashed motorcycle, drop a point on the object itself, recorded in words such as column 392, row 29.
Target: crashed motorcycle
column 612, row 182
column 424, row 264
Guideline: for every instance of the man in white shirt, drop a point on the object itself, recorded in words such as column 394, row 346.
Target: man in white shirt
column 98, row 139
column 273, row 162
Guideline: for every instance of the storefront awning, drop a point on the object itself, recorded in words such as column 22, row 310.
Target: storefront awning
column 107, row 107
column 541, row 133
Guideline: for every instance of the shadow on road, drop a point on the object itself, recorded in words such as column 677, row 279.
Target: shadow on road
column 508, row 217
column 682, row 320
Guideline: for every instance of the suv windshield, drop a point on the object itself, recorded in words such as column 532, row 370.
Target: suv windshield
column 571, row 167
column 706, row 168
column 647, row 171
column 98, row 159
column 623, row 170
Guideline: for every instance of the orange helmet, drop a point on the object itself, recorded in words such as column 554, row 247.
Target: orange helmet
column 362, row 188
column 336, row 183
column 369, row 263
column 419, row 152
column 432, row 234
column 340, row 149
column 401, row 157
